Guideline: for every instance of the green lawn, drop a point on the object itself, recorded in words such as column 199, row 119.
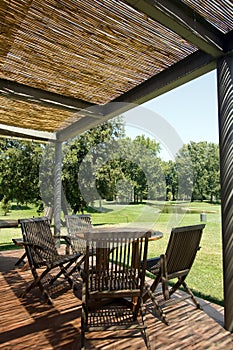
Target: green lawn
column 7, row 234
column 205, row 277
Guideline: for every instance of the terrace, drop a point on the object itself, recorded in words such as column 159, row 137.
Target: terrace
column 67, row 66
column 27, row 323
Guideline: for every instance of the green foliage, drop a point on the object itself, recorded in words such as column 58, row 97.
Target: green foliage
column 5, row 205
column 184, row 170
column 19, row 170
column 46, row 176
column 80, row 149
column 133, row 173
column 171, row 178
column 109, row 166
column 204, row 171
column 103, row 160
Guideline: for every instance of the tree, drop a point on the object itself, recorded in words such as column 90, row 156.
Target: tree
column 213, row 180
column 132, row 163
column 147, row 151
column 199, row 163
column 171, row 178
column 6, row 205
column 141, row 167
column 108, row 177
column 184, row 171
column 19, row 170
column 47, row 175
column 81, row 159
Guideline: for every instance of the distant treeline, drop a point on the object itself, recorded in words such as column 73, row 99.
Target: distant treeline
column 104, row 163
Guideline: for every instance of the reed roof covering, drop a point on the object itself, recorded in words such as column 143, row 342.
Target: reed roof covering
column 59, row 59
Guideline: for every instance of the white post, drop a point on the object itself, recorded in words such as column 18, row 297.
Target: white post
column 57, row 188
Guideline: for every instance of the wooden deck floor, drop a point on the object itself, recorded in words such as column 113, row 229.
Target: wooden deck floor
column 30, row 323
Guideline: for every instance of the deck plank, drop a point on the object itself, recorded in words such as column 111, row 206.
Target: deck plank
column 30, row 323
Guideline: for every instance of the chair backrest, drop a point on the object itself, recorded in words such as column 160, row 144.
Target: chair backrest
column 48, row 213
column 79, row 222
column 182, row 247
column 76, row 224
column 37, row 233
column 115, row 270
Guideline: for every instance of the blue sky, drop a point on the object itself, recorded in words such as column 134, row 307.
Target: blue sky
column 191, row 109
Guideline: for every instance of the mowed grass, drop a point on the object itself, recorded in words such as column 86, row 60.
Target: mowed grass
column 206, row 276
column 6, row 234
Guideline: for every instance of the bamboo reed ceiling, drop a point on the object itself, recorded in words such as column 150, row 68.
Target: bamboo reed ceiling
column 91, row 51
column 217, row 12
column 33, row 116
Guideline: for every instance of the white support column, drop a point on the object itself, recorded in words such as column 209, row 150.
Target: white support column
column 57, row 188
column 225, row 104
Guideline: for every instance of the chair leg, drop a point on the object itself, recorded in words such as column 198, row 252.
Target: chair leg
column 180, row 283
column 25, row 266
column 44, row 292
column 84, row 318
column 33, row 283
column 146, row 334
column 77, row 266
column 31, row 286
column 63, row 271
column 37, row 283
column 21, row 259
column 82, row 336
column 156, row 305
column 67, row 274
column 191, row 295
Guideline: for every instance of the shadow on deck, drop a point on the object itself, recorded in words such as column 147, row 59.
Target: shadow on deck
column 30, row 323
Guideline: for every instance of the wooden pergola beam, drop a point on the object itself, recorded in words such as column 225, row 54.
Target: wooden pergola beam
column 17, row 91
column 181, row 19
column 180, row 73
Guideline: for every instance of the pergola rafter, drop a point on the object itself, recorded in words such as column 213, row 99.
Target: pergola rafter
column 181, row 19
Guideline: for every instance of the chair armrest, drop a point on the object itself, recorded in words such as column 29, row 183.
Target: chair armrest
column 65, row 237
column 17, row 241
column 59, row 236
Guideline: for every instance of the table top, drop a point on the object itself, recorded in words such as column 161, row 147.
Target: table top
column 8, row 223
column 98, row 232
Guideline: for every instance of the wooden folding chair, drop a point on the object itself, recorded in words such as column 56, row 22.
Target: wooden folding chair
column 75, row 225
column 42, row 254
column 113, row 283
column 48, row 213
column 175, row 264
